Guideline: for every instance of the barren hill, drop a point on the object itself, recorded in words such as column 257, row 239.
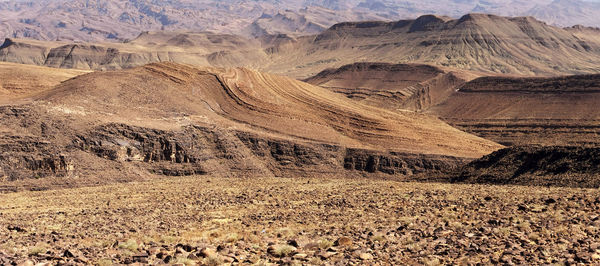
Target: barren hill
column 509, row 110
column 174, row 119
column 392, row 86
column 201, row 48
column 479, row 42
column 549, row 111
column 306, row 21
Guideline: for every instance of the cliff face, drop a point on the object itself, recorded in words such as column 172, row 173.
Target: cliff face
column 120, row 152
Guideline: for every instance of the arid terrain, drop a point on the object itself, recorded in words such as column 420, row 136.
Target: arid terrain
column 209, row 221
column 299, row 132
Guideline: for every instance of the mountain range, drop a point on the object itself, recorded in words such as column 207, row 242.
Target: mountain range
column 119, row 20
column 475, row 42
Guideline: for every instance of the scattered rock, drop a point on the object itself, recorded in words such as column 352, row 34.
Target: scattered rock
column 26, row 263
column 140, row 257
column 550, row 201
column 68, row 254
column 292, row 243
column 16, row 229
column 493, row 222
column 365, row 256
column 324, row 255
column 186, row 248
column 207, row 252
column 300, row 256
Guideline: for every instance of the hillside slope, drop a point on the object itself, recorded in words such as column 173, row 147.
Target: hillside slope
column 255, row 100
column 201, row 48
column 173, row 119
column 392, row 86
column 547, row 111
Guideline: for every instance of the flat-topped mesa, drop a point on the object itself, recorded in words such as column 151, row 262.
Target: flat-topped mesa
column 540, row 110
column 579, row 27
column 359, row 25
column 433, row 23
column 478, row 17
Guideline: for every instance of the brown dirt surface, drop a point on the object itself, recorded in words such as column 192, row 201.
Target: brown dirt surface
column 207, row 220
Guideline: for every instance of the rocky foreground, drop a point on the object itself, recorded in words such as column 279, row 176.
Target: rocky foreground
column 210, row 221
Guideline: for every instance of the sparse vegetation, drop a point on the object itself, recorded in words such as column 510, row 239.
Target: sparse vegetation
column 130, row 245
column 283, row 250
column 214, row 260
column 325, row 244
column 188, row 262
column 104, row 262
column 37, row 250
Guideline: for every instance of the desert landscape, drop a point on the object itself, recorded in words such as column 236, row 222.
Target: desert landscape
column 299, row 132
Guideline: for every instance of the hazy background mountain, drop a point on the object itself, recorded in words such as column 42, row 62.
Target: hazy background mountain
column 94, row 20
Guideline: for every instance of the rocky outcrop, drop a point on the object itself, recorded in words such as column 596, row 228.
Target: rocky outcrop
column 196, row 150
column 397, row 163
column 29, row 157
column 24, row 53
column 536, row 165
column 201, row 150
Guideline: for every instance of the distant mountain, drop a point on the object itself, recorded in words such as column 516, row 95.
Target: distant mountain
column 117, row 20
column 308, row 20
column 476, row 42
